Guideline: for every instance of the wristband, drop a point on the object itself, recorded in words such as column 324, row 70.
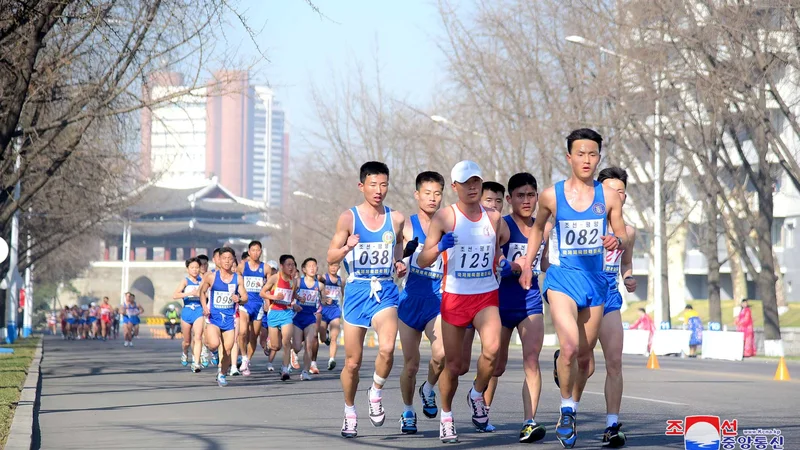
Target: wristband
column 619, row 241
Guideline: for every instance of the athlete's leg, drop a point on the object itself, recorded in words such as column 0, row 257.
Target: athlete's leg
column 500, row 368
column 433, row 330
column 197, row 339
column 213, row 338
column 334, row 335
column 409, row 340
column 228, row 339
column 186, row 333
column 353, row 352
column 611, row 337
column 275, row 342
column 588, row 329
column 487, row 324
column 287, row 332
column 564, row 313
column 385, row 325
column 531, row 333
column 466, row 351
column 453, row 342
column 310, row 338
column 252, row 335
column 242, row 337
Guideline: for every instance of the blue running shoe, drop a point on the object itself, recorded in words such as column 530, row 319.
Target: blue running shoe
column 184, row 360
column 566, row 431
column 429, row 407
column 214, row 358
column 408, row 422
column 221, row 381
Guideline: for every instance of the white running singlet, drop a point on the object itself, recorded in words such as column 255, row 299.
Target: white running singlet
column 469, row 266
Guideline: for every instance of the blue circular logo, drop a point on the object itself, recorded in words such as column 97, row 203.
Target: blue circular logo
column 599, row 209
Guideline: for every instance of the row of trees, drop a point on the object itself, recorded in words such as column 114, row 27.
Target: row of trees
column 722, row 74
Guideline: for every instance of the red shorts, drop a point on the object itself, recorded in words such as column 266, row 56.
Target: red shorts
column 106, row 319
column 460, row 309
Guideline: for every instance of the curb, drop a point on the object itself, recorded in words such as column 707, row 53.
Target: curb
column 25, row 426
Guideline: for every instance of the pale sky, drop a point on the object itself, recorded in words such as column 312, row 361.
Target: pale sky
column 304, row 47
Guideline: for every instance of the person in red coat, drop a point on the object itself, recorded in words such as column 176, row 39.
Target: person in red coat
column 744, row 324
column 644, row 322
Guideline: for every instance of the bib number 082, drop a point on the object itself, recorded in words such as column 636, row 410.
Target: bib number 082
column 583, row 237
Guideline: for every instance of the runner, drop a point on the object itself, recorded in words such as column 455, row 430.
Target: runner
column 331, row 312
column 206, row 355
column 420, row 303
column 188, row 290
column 136, row 318
column 469, row 289
column 250, row 314
column 106, row 318
column 225, row 290
column 305, row 321
column 117, row 316
column 366, row 239
column 52, row 321
column 519, row 308
column 131, row 313
column 236, row 357
column 70, row 319
column 279, row 292
column 94, row 317
column 83, row 320
column 577, row 288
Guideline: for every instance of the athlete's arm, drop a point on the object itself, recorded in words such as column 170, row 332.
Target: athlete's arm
column 544, row 262
column 399, row 224
column 498, row 222
column 547, row 203
column 240, row 268
column 243, row 297
column 178, row 294
column 614, row 208
column 626, row 267
column 430, row 252
column 342, row 241
column 204, row 285
column 503, row 232
column 266, row 290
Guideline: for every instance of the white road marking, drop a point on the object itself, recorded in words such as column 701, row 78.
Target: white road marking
column 644, row 399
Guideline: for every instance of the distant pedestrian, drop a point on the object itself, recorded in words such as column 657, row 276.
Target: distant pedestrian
column 644, row 322
column 744, row 324
column 695, row 325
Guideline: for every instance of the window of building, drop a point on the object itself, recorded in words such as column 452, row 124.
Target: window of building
column 777, row 232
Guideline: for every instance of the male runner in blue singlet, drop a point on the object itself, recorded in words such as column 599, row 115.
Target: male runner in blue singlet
column 577, row 288
column 366, row 240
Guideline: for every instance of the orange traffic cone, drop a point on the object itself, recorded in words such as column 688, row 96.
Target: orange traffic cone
column 652, row 361
column 782, row 374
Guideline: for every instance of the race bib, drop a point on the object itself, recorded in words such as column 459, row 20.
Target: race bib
column 612, row 260
column 287, row 296
column 333, row 292
column 253, row 284
column 435, row 271
column 537, row 261
column 373, row 259
column 222, row 300
column 192, row 290
column 580, row 237
column 473, row 261
column 308, row 297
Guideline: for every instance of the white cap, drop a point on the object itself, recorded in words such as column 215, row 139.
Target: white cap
column 94, row 304
column 272, row 263
column 171, row 307
column 465, row 170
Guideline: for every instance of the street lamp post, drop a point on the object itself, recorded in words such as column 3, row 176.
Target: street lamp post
column 658, row 286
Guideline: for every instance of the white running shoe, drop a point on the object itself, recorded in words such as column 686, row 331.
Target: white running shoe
column 447, row 431
column 314, row 368
column 125, row 344
column 350, row 426
column 130, row 344
column 234, row 371
column 305, row 376
column 270, row 368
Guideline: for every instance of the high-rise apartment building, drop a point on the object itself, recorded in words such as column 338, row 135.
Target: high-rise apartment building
column 229, row 129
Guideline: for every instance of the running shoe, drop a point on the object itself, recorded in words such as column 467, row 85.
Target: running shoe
column 284, row 375
column 295, row 363
column 331, row 364
column 184, row 360
column 328, row 340
column 246, row 368
column 480, row 414
column 447, row 431
column 130, row 344
column 314, row 368
column 377, row 415
column 566, row 431
column 350, row 426
column 195, row 368
column 304, row 376
column 270, row 367
column 408, row 422
column 555, row 366
column 614, row 437
column 429, row 407
column 204, row 358
column 214, row 358
column 532, row 432
column 239, row 361
column 234, row 372
column 221, row 381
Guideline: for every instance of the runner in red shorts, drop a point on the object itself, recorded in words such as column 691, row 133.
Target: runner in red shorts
column 466, row 236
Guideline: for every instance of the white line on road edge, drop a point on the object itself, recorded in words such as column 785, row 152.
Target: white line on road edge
column 21, row 433
column 644, row 399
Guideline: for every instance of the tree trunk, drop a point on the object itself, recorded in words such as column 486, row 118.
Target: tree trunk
column 738, row 279
column 711, row 251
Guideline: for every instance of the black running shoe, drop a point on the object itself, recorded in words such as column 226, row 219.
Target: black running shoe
column 532, row 433
column 613, row 437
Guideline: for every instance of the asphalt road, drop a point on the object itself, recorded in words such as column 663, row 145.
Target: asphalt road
column 102, row 395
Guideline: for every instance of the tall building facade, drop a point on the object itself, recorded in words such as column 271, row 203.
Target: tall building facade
column 229, row 129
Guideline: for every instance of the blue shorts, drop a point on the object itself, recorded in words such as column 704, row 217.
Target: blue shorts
column 280, row 317
column 225, row 321
column 303, row 319
column 71, row 321
column 416, row 311
column 264, row 320
column 516, row 304
column 191, row 312
column 331, row 312
column 613, row 301
column 360, row 307
column 587, row 289
column 92, row 319
column 253, row 308
column 82, row 321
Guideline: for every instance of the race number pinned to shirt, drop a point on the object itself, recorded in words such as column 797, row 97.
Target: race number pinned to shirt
column 612, row 260
column 308, row 297
column 580, row 237
column 287, row 296
column 373, row 259
column 223, row 299
column 435, row 271
column 253, row 284
column 473, row 261
column 333, row 292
